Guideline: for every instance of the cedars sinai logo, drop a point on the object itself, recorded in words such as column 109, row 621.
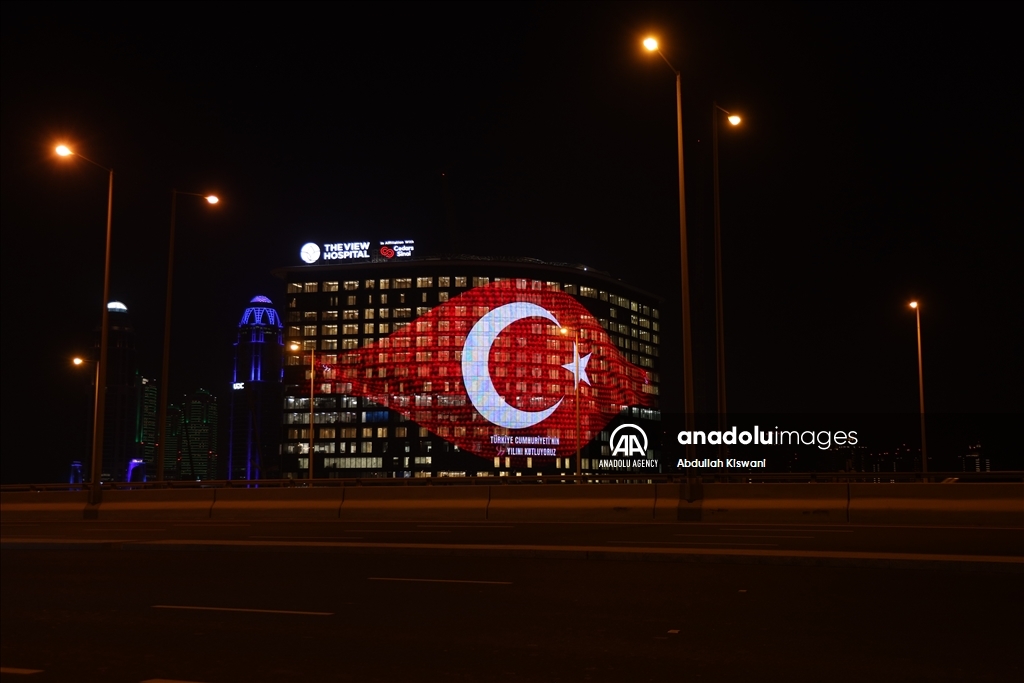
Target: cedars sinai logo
column 629, row 448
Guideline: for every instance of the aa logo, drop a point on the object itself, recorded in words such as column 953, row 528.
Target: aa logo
column 629, row 441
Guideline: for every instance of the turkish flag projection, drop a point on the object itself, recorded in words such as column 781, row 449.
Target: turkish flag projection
column 494, row 371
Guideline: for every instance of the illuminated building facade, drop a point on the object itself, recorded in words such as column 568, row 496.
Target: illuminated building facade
column 146, row 423
column 462, row 366
column 254, row 429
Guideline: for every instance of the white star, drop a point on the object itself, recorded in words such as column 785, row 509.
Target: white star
column 571, row 366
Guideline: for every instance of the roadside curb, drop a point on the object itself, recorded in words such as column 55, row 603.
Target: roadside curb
column 970, row 563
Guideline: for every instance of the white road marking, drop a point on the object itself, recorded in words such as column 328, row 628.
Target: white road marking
column 395, row 531
column 241, row 609
column 465, row 526
column 809, row 531
column 383, row 578
column 318, row 538
column 687, row 543
column 17, row 671
column 742, row 536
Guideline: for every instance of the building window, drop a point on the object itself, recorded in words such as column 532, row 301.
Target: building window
column 424, row 282
column 351, row 285
column 350, row 314
column 349, row 344
column 442, row 297
column 310, row 287
column 422, row 310
column 329, row 344
column 588, row 292
column 350, row 300
column 460, row 281
column 368, row 314
column 481, row 281
column 383, row 328
column 294, row 331
column 350, row 328
column 309, row 315
column 444, row 282
column 330, row 315
column 366, row 447
column 403, row 312
column 403, row 282
column 294, row 288
column 330, row 286
column 309, row 330
column 384, row 283
column 383, row 298
column 367, row 328
column 293, row 316
column 330, row 330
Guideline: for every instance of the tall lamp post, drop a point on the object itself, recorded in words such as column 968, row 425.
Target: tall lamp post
column 166, row 369
column 920, row 386
column 576, row 396
column 719, row 297
column 101, row 365
column 312, row 379
column 691, row 451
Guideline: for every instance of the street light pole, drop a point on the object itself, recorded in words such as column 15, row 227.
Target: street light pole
column 294, row 346
column 576, row 353
column 99, row 410
column 312, row 378
column 166, row 367
column 920, row 386
column 691, row 450
column 719, row 295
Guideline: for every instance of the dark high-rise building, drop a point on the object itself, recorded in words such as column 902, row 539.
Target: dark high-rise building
column 198, row 449
column 172, row 457
column 254, row 431
column 121, row 411
column 146, row 423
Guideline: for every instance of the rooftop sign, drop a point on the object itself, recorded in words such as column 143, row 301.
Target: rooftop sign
column 383, row 250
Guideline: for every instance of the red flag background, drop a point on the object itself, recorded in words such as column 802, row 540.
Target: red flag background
column 493, row 370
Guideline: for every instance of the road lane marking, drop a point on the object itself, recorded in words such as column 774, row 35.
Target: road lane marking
column 741, row 536
column 123, row 529
column 687, row 542
column 208, row 525
column 385, row 578
column 17, row 671
column 315, row 538
column 242, row 609
column 166, row 680
column 465, row 526
column 809, row 531
column 396, row 531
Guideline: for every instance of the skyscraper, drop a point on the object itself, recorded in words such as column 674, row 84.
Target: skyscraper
column 122, row 396
column 254, row 433
column 198, row 448
column 145, row 433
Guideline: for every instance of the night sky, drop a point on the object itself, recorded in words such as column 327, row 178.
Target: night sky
column 879, row 161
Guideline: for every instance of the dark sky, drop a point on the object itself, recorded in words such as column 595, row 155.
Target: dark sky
column 879, row 161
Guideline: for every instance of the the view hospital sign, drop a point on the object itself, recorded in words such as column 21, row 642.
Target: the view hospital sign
column 383, row 250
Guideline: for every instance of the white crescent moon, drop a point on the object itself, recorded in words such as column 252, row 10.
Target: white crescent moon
column 476, row 373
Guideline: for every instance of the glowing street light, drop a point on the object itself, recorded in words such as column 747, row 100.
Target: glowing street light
column 691, row 450
column 101, row 364
column 166, row 368
column 719, row 294
column 294, row 346
column 920, row 386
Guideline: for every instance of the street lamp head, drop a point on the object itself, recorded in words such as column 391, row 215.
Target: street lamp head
column 651, row 44
column 77, row 361
column 213, row 199
column 63, row 150
column 293, row 346
column 735, row 120
column 913, row 304
column 564, row 330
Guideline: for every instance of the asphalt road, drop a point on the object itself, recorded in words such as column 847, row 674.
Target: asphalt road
column 207, row 602
column 258, row 615
column 668, row 538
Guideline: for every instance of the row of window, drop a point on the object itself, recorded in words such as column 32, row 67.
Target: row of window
column 460, row 282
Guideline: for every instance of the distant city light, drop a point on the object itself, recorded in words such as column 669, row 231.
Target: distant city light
column 117, row 307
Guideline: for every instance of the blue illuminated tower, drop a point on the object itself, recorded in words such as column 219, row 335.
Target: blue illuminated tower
column 254, row 431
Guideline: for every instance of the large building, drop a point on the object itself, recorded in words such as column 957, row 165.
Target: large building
column 254, row 429
column 197, row 454
column 463, row 366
